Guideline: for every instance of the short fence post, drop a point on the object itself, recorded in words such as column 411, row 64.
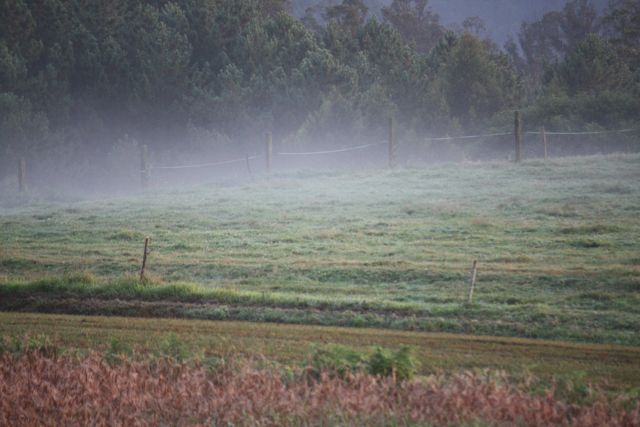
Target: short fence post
column 269, row 151
column 544, row 142
column 144, row 258
column 22, row 175
column 472, row 286
column 144, row 166
column 392, row 144
column 518, row 135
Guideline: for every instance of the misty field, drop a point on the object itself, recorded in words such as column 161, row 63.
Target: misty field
column 557, row 244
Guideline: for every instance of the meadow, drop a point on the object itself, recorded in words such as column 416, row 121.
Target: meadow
column 557, row 245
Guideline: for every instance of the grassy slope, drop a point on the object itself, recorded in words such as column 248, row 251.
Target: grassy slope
column 291, row 344
column 557, row 245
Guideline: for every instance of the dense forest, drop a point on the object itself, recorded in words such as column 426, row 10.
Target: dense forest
column 82, row 79
column 502, row 18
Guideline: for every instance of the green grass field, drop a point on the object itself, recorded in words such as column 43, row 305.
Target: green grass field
column 557, row 244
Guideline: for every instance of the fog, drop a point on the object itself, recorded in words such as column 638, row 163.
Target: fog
column 81, row 98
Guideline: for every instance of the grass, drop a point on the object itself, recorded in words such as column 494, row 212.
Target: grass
column 557, row 245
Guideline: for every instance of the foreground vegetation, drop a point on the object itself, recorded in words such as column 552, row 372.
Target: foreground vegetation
column 40, row 386
column 557, row 245
column 614, row 368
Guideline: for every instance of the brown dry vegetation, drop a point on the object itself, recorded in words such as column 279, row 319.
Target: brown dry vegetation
column 45, row 388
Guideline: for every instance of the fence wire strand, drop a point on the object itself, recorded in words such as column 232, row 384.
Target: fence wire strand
column 363, row 146
column 584, row 133
column 453, row 138
column 204, row 165
column 341, row 150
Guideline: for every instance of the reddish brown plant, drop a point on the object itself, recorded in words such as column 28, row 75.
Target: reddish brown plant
column 40, row 389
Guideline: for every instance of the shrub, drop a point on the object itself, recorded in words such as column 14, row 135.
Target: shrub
column 116, row 351
column 337, row 360
column 385, row 363
column 340, row 360
column 174, row 348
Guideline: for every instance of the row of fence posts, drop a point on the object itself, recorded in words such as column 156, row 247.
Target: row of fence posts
column 145, row 167
column 472, row 283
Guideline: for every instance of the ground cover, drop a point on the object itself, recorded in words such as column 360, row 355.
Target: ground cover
column 612, row 367
column 557, row 244
column 41, row 387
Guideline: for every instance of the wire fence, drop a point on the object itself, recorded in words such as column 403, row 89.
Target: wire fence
column 481, row 149
column 391, row 143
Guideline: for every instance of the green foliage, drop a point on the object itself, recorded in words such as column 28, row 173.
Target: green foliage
column 385, row 363
column 416, row 22
column 337, row 359
column 341, row 360
column 593, row 67
column 174, row 348
column 582, row 70
column 18, row 345
column 478, row 82
column 116, row 350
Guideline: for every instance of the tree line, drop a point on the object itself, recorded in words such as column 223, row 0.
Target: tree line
column 80, row 76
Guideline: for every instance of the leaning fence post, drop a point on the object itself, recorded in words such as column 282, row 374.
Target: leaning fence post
column 22, row 175
column 144, row 166
column 544, row 142
column 392, row 144
column 144, row 258
column 269, row 151
column 472, row 286
column 518, row 136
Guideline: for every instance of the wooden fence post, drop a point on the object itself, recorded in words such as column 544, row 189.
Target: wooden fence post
column 22, row 175
column 269, row 151
column 144, row 258
column 518, row 136
column 544, row 142
column 392, row 144
column 472, row 286
column 144, row 166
